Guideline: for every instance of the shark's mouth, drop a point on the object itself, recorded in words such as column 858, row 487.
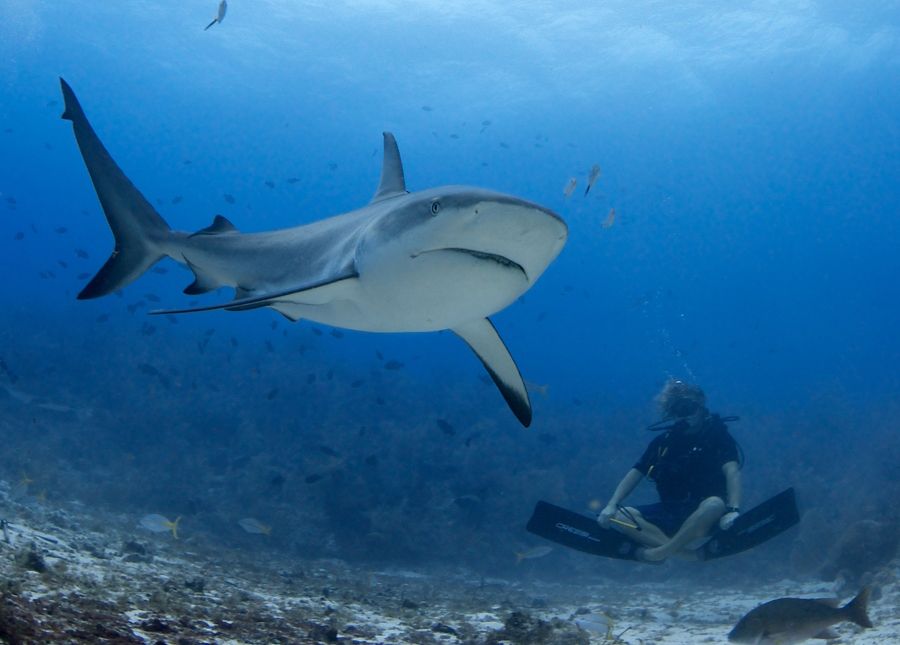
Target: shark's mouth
column 502, row 260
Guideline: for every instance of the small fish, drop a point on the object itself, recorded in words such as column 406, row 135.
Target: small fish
column 445, row 427
column 317, row 331
column 254, row 526
column 337, row 333
column 269, row 183
column 160, row 270
column 393, row 365
column 312, row 479
column 160, row 524
column 427, row 108
column 593, row 176
column 540, row 389
column 793, row 620
column 82, row 254
column 102, row 318
column 220, row 14
column 472, row 437
column 148, row 369
column 371, row 460
column 20, row 236
column 228, row 198
column 9, row 373
column 357, row 383
column 292, row 180
column 272, row 394
column 63, row 264
column 331, row 452
column 570, row 187
column 152, row 297
column 332, row 166
column 177, row 199
column 598, row 623
column 533, row 553
column 148, row 330
column 62, row 230
column 610, row 218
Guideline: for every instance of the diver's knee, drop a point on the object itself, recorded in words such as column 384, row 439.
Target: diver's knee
column 713, row 505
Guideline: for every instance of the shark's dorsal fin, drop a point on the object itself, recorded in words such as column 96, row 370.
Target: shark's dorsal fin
column 220, row 225
column 392, row 182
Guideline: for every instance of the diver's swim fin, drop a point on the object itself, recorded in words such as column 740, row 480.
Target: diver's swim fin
column 759, row 524
column 582, row 533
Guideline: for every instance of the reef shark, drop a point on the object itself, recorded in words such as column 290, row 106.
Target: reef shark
column 441, row 258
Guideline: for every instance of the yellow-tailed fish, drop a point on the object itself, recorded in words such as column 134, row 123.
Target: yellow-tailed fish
column 160, row 524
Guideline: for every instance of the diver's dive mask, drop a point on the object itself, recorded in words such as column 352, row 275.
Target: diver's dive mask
column 677, row 414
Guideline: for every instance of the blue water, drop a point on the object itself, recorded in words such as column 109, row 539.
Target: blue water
column 752, row 155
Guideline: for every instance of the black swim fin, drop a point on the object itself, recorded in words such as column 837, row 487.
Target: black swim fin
column 760, row 524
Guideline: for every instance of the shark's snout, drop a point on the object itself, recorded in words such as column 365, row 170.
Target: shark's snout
column 526, row 234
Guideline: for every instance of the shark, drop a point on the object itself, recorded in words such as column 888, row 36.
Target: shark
column 443, row 258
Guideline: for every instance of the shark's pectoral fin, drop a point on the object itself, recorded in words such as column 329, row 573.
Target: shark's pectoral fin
column 269, row 299
column 484, row 340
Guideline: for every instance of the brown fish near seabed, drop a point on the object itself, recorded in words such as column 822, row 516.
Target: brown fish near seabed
column 793, row 620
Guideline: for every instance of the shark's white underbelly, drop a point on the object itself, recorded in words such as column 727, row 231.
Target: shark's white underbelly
column 436, row 291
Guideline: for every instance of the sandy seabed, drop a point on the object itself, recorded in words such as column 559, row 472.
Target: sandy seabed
column 70, row 576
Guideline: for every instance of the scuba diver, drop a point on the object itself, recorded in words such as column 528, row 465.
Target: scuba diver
column 696, row 466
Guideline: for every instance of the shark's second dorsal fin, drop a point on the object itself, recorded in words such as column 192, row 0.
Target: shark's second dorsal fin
column 392, row 182
column 220, row 225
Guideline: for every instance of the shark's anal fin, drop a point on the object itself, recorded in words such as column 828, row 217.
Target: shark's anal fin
column 484, row 340
column 202, row 283
column 392, row 181
column 266, row 299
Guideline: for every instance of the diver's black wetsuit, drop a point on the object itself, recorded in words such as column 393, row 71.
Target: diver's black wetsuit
column 686, row 468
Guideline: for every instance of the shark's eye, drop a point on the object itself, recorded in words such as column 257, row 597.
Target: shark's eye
column 435, row 207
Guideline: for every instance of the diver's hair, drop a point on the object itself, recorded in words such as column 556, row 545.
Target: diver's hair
column 673, row 392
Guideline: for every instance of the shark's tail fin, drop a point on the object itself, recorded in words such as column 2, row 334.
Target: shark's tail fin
column 856, row 609
column 138, row 228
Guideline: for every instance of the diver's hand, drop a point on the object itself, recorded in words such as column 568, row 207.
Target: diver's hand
column 728, row 520
column 605, row 515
